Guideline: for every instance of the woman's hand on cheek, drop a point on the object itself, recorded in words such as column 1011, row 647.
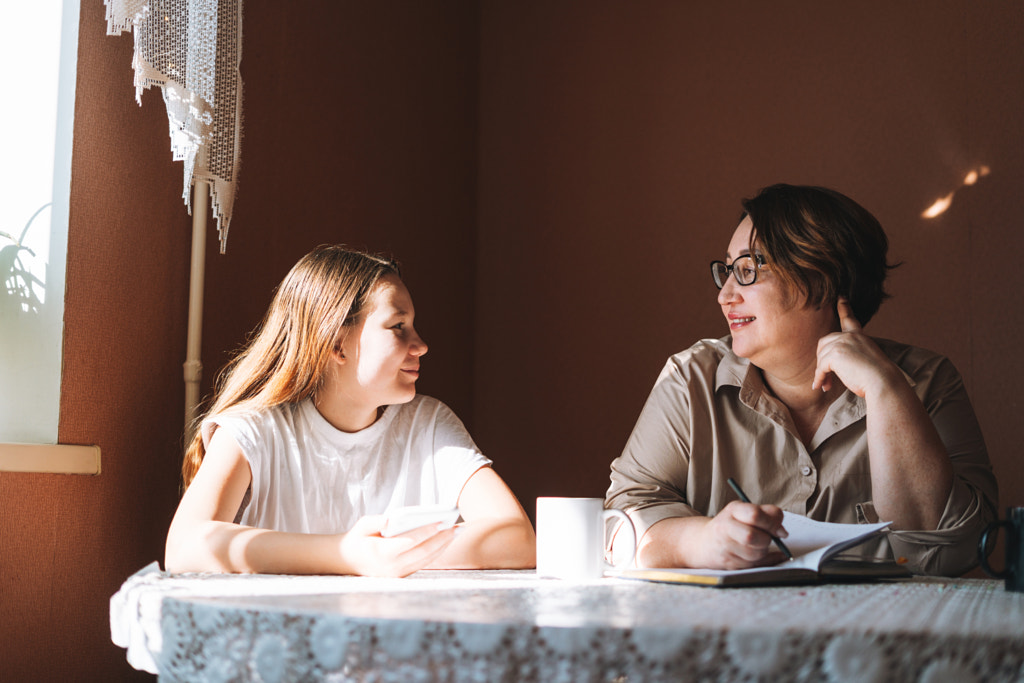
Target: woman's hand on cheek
column 851, row 356
column 740, row 536
column 365, row 552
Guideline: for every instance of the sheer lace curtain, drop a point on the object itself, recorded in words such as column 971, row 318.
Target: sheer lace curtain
column 191, row 49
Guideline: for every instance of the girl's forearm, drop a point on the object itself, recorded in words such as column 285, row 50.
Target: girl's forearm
column 493, row 543
column 212, row 546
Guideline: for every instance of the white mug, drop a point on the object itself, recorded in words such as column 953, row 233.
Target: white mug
column 571, row 537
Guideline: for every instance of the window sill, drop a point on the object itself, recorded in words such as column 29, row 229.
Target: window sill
column 49, row 458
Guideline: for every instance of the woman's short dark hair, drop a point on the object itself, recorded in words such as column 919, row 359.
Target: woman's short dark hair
column 823, row 243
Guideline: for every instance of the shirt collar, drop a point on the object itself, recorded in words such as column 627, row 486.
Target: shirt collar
column 739, row 372
column 735, row 371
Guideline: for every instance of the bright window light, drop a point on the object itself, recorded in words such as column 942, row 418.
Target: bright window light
column 38, row 53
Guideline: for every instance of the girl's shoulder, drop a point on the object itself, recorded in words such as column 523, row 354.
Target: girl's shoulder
column 424, row 402
column 428, row 416
column 247, row 422
column 422, row 407
column 254, row 415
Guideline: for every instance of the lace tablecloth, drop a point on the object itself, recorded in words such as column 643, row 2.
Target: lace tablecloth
column 512, row 626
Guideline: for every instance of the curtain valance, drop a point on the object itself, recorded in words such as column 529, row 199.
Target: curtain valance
column 191, row 49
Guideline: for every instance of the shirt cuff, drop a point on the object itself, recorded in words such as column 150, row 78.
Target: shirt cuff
column 951, row 549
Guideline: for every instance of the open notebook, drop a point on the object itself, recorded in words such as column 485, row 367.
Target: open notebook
column 815, row 546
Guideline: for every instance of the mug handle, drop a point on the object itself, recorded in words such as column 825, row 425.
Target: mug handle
column 992, row 528
column 612, row 512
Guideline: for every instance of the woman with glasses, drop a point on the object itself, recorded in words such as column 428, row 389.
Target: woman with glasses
column 804, row 410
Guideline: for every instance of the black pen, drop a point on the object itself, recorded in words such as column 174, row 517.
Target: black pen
column 778, row 541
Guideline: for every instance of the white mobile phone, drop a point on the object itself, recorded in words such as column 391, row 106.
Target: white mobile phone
column 412, row 517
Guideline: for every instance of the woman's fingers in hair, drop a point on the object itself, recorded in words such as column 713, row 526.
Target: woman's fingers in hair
column 847, row 320
column 853, row 358
column 828, row 344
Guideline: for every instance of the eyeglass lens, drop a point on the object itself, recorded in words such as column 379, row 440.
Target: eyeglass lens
column 744, row 268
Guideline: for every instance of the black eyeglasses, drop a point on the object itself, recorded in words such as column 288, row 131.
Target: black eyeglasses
column 744, row 268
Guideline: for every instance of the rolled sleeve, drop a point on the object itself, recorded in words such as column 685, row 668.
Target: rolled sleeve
column 649, row 479
column 646, row 504
column 951, row 549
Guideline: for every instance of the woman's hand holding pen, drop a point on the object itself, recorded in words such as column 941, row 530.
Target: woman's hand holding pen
column 363, row 551
column 740, row 536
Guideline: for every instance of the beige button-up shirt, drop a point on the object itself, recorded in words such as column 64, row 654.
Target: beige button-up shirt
column 710, row 417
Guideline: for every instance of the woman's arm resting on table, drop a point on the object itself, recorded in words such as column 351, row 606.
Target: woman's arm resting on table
column 496, row 534
column 203, row 537
column 911, row 474
column 737, row 537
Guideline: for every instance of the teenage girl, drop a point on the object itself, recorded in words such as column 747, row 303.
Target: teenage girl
column 317, row 432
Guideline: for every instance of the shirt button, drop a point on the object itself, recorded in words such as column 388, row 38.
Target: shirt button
column 805, row 470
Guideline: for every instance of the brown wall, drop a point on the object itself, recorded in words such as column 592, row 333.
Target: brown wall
column 617, row 142
column 360, row 128
column 554, row 178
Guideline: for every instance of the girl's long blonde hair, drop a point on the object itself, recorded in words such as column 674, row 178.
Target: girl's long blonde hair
column 284, row 360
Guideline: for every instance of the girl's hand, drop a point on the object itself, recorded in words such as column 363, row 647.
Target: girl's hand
column 740, row 536
column 365, row 552
column 851, row 356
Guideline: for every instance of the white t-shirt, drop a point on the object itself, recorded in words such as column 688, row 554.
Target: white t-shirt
column 308, row 477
